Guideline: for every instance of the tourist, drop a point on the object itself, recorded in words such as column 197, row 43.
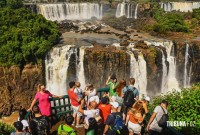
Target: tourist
column 75, row 103
column 78, row 91
column 66, row 129
column 19, row 129
column 135, row 93
column 105, row 108
column 22, row 115
column 92, row 111
column 119, row 90
column 110, row 127
column 42, row 96
column 90, row 91
column 135, row 118
column 153, row 128
column 112, row 82
column 39, row 125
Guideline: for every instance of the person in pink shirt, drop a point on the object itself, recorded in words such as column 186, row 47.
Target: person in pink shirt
column 42, row 96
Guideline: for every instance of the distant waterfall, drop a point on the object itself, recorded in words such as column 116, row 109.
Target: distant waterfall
column 80, row 68
column 180, row 6
column 126, row 9
column 186, row 77
column 172, row 82
column 136, row 8
column 57, row 63
column 164, row 74
column 138, row 70
column 70, row 11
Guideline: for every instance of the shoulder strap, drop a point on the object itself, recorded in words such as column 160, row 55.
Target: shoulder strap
column 61, row 127
column 163, row 109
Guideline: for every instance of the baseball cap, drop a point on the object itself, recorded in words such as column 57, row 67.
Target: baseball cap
column 147, row 99
column 18, row 125
column 94, row 98
column 114, row 104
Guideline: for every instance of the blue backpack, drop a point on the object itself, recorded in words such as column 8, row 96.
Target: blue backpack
column 119, row 124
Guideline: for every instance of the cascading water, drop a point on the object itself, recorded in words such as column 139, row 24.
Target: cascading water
column 57, row 63
column 136, row 9
column 164, row 73
column 70, row 11
column 125, row 9
column 80, row 68
column 180, row 6
column 138, row 70
column 172, row 82
column 186, row 77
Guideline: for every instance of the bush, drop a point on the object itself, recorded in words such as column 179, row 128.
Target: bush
column 183, row 106
column 25, row 37
column 5, row 129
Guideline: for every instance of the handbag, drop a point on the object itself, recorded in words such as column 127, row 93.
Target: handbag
column 163, row 120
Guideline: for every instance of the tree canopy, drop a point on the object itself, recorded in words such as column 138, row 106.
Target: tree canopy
column 25, row 37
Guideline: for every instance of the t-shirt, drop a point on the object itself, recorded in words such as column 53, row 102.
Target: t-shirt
column 111, row 121
column 24, row 123
column 23, row 133
column 78, row 92
column 44, row 103
column 73, row 97
column 34, row 125
column 131, row 87
column 112, row 92
column 105, row 110
column 66, row 128
column 90, row 114
column 134, row 118
column 159, row 112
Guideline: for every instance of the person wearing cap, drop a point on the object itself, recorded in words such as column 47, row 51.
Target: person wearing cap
column 110, row 121
column 19, row 129
column 112, row 83
column 91, row 112
column 153, row 128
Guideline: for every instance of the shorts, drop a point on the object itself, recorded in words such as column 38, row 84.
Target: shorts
column 135, row 128
column 125, row 109
column 75, row 111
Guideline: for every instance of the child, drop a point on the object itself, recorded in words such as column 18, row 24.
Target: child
column 78, row 91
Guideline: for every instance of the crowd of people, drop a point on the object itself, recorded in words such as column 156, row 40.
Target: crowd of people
column 119, row 111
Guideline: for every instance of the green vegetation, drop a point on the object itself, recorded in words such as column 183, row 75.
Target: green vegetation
column 183, row 106
column 24, row 37
column 168, row 21
column 5, row 129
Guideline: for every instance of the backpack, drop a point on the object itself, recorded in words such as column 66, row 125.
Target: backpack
column 129, row 97
column 163, row 120
column 63, row 132
column 42, row 125
column 119, row 124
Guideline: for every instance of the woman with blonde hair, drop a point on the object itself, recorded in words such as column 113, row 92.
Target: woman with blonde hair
column 42, row 96
column 135, row 118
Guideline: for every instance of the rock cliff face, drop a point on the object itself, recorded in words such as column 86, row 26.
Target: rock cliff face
column 17, row 88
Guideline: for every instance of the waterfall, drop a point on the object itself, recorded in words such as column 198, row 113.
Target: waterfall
column 186, row 77
column 164, row 73
column 180, row 6
column 80, row 68
column 70, row 11
column 138, row 70
column 124, row 9
column 136, row 8
column 172, row 82
column 56, row 66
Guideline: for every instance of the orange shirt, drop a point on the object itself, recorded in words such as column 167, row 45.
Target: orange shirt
column 134, row 118
column 105, row 110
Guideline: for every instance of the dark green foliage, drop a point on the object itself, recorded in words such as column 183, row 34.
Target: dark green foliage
column 183, row 106
column 196, row 14
column 5, row 129
column 14, row 4
column 24, row 37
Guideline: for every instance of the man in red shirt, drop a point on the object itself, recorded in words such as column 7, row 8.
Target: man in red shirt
column 75, row 102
